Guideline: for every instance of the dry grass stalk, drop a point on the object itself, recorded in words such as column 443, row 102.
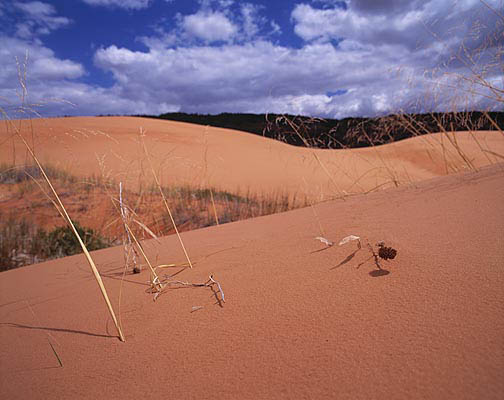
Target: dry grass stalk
column 67, row 218
column 165, row 202
column 213, row 206
column 129, row 249
column 340, row 192
column 154, row 281
column 132, row 244
column 205, row 160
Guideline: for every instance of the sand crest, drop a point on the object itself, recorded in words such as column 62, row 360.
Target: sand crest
column 199, row 156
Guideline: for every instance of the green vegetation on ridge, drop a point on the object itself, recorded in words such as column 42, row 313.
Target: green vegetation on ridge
column 344, row 133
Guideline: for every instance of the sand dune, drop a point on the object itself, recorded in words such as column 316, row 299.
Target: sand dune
column 240, row 162
column 298, row 322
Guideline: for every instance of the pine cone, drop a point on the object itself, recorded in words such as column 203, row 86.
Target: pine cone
column 387, row 252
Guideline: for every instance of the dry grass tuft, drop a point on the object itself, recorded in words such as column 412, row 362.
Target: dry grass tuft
column 58, row 204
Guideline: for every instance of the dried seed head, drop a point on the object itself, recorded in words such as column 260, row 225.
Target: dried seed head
column 386, row 252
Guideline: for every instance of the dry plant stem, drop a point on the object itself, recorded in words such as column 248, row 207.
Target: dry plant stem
column 338, row 189
column 211, row 281
column 128, row 246
column 494, row 153
column 391, row 172
column 219, row 286
column 375, row 256
column 454, row 143
column 342, row 195
column 318, row 220
column 158, row 184
column 83, row 246
column 481, row 148
column 127, row 250
column 213, row 205
column 155, row 278
column 494, row 124
column 46, row 194
column 205, row 154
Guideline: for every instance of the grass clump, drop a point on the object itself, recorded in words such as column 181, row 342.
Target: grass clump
column 29, row 236
column 12, row 174
column 23, row 242
column 62, row 242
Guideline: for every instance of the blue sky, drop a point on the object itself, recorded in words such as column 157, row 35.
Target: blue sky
column 322, row 58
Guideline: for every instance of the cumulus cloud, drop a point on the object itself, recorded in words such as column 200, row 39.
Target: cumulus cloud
column 127, row 4
column 39, row 19
column 356, row 58
column 41, row 63
column 428, row 40
column 248, row 77
column 209, row 26
column 251, row 19
column 217, row 21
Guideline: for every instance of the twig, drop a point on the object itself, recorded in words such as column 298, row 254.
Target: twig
column 375, row 256
column 209, row 283
column 219, row 286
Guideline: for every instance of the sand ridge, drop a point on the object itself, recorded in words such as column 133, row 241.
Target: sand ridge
column 199, row 156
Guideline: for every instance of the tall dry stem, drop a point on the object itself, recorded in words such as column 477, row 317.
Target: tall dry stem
column 165, row 202
column 61, row 208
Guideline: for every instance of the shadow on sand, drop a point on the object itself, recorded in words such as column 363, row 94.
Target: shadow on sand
column 379, row 272
column 44, row 328
column 374, row 273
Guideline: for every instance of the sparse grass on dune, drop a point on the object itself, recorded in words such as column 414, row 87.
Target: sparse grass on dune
column 192, row 208
column 23, row 243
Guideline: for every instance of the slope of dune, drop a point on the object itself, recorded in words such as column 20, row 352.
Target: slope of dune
column 299, row 321
column 237, row 161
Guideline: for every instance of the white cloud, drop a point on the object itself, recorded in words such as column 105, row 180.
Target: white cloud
column 216, row 21
column 250, row 19
column 39, row 19
column 47, row 77
column 209, row 26
column 221, row 59
column 210, row 4
column 42, row 63
column 338, row 23
column 127, row 4
column 249, row 78
column 256, row 75
column 275, row 28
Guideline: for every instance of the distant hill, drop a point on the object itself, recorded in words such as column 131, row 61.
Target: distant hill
column 344, row 133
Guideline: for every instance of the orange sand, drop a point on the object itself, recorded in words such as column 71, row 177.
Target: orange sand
column 300, row 320
column 237, row 161
column 297, row 322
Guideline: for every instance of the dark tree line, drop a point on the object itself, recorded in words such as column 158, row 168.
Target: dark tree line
column 347, row 132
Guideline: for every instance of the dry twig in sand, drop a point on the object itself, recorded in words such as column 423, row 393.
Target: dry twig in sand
column 211, row 282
